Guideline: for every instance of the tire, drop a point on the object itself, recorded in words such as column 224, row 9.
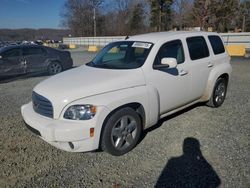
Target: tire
column 121, row 132
column 219, row 93
column 55, row 68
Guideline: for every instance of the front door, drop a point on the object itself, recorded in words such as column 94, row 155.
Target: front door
column 12, row 62
column 173, row 85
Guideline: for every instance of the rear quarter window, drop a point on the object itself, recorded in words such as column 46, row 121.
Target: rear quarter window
column 11, row 53
column 197, row 47
column 217, row 44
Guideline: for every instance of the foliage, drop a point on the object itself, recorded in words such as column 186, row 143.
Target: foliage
column 160, row 14
column 137, row 20
column 223, row 13
column 126, row 17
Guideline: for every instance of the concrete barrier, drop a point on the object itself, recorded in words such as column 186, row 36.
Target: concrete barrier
column 72, row 46
column 92, row 41
column 92, row 49
column 236, row 50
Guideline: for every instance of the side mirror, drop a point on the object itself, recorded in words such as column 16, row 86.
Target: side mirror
column 167, row 63
column 171, row 62
column 1, row 57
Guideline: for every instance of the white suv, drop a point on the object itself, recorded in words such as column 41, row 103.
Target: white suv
column 127, row 88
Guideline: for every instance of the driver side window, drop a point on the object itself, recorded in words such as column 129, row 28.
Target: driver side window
column 173, row 49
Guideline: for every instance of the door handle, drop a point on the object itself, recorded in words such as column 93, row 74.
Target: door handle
column 23, row 62
column 182, row 72
column 210, row 64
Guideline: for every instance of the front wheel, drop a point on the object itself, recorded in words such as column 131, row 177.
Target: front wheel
column 121, row 132
column 219, row 93
column 55, row 68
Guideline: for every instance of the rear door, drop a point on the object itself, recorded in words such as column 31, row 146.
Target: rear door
column 35, row 58
column 12, row 62
column 200, row 64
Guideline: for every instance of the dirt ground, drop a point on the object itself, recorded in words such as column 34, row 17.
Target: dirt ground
column 166, row 155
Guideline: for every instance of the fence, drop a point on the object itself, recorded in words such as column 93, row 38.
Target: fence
column 88, row 41
column 237, row 39
column 229, row 39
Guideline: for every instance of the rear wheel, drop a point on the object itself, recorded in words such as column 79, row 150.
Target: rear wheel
column 219, row 93
column 121, row 132
column 55, row 68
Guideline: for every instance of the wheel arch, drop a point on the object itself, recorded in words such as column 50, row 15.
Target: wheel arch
column 139, row 109
column 50, row 62
column 222, row 71
column 54, row 60
column 225, row 76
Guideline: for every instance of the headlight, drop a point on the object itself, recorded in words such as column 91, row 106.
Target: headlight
column 80, row 112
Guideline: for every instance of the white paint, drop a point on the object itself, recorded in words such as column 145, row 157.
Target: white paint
column 158, row 91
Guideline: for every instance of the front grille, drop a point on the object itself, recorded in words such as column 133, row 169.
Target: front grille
column 41, row 105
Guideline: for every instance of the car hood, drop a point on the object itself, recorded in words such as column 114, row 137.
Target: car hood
column 86, row 81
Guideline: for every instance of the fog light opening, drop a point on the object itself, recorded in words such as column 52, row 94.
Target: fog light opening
column 71, row 145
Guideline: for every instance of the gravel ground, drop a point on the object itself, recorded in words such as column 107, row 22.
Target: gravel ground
column 223, row 134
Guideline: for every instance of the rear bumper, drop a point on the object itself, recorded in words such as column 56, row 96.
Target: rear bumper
column 68, row 135
column 67, row 64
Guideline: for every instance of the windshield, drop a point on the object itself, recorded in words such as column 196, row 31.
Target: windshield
column 122, row 55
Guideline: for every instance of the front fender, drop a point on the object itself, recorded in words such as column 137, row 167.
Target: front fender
column 147, row 96
column 113, row 100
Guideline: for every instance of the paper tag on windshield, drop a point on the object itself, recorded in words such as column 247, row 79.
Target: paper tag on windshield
column 141, row 45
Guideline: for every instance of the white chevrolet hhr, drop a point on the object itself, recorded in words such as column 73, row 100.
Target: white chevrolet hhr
column 127, row 88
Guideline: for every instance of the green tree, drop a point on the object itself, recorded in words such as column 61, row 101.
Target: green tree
column 137, row 20
column 224, row 13
column 182, row 13
column 161, row 14
column 244, row 16
column 79, row 17
column 219, row 14
column 201, row 13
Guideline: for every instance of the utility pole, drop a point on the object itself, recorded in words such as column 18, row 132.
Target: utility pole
column 159, row 26
column 244, row 16
column 95, row 5
column 94, row 18
column 161, row 4
column 164, row 6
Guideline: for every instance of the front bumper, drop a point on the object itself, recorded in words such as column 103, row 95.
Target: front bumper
column 68, row 135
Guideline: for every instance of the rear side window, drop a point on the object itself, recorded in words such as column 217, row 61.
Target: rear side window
column 11, row 53
column 33, row 51
column 217, row 44
column 197, row 47
column 171, row 49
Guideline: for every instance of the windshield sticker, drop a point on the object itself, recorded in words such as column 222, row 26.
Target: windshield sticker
column 141, row 45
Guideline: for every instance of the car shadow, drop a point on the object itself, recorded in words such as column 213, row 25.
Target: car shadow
column 190, row 169
column 7, row 79
column 161, row 121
